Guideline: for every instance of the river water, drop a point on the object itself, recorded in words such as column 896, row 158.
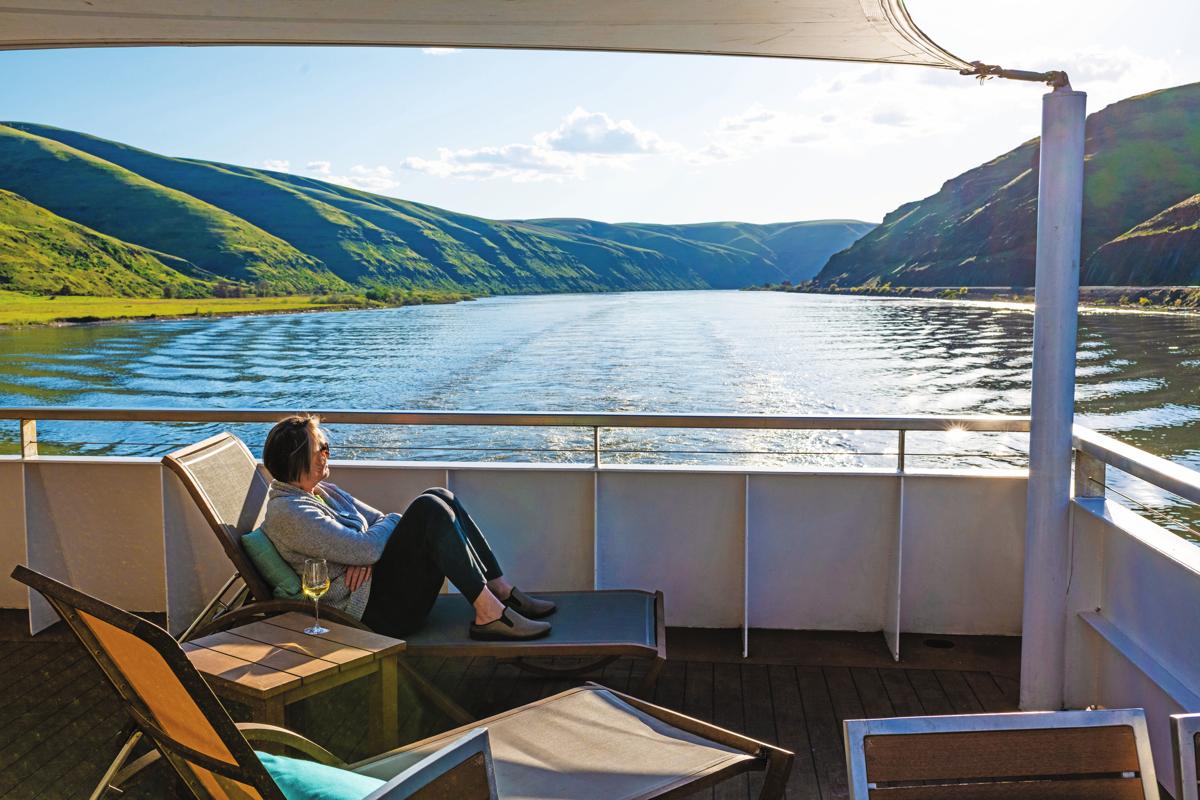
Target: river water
column 751, row 352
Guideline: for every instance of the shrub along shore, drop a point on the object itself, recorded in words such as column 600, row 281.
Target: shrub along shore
column 17, row 308
column 1147, row 298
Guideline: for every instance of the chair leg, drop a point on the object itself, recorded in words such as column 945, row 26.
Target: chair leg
column 215, row 607
column 139, row 764
column 106, row 780
column 436, row 696
column 651, row 676
column 779, row 767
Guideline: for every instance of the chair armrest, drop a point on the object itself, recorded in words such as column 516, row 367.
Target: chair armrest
column 462, row 769
column 273, row 734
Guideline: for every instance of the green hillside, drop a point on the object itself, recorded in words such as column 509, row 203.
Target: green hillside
column 44, row 253
column 115, row 201
column 1143, row 155
column 298, row 234
column 1167, row 245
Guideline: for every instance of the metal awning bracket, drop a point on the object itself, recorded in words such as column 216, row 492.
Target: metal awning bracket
column 1056, row 78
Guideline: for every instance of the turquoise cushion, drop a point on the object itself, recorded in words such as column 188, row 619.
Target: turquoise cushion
column 299, row 779
column 278, row 574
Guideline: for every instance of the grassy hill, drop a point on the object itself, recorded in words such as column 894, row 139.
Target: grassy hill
column 793, row 251
column 300, row 234
column 44, row 253
column 109, row 199
column 1167, row 244
column 1143, row 155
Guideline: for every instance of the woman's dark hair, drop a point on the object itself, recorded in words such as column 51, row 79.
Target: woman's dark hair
column 287, row 453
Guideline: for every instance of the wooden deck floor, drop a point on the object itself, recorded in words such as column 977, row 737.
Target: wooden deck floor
column 60, row 723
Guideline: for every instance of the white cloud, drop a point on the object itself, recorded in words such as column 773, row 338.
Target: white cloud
column 583, row 140
column 370, row 179
column 597, row 133
column 278, row 164
column 439, row 51
column 520, row 162
column 379, row 178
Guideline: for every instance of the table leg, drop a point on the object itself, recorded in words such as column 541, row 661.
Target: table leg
column 270, row 712
column 385, row 721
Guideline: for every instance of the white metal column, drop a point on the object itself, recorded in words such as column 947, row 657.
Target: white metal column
column 1047, row 565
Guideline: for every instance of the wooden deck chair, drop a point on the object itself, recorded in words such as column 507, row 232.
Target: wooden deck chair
column 588, row 743
column 599, row 626
column 171, row 704
column 1185, row 743
column 1066, row 755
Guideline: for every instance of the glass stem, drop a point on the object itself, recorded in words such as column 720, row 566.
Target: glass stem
column 316, row 612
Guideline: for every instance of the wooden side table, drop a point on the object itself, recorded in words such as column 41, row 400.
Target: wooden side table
column 270, row 664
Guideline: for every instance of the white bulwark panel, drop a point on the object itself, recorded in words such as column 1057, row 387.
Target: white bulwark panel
column 12, row 532
column 963, row 554
column 807, row 529
column 681, row 532
column 1133, row 633
column 97, row 525
column 538, row 522
column 387, row 486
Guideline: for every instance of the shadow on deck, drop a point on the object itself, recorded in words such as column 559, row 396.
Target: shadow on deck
column 61, row 724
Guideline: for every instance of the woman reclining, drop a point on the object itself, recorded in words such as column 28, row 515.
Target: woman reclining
column 386, row 569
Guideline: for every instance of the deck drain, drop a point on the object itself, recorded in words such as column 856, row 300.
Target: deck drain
column 939, row 644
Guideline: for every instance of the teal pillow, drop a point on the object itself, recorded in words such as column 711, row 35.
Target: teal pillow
column 299, row 779
column 278, row 574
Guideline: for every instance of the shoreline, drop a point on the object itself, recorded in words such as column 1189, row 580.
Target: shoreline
column 1114, row 299
column 165, row 310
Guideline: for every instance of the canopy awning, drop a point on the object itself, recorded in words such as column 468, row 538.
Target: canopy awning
column 840, row 30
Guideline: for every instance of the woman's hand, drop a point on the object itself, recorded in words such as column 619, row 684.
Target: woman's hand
column 356, row 577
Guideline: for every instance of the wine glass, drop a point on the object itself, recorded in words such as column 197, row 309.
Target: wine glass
column 314, row 583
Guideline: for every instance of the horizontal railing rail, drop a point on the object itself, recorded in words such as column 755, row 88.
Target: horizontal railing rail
column 1095, row 451
column 994, row 423
column 596, row 421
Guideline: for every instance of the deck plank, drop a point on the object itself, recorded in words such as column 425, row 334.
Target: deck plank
column 988, row 692
column 1009, row 687
column 698, row 700
column 932, row 697
column 824, row 731
column 793, row 732
column 759, row 706
column 959, row 692
column 728, row 713
column 872, row 692
column 900, row 691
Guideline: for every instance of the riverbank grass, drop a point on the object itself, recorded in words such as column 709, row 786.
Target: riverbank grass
column 17, row 308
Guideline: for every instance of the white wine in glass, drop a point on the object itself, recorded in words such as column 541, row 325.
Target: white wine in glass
column 314, row 583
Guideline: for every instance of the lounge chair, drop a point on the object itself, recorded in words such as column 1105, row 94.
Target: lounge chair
column 588, row 742
column 1185, row 742
column 1067, row 755
column 230, row 488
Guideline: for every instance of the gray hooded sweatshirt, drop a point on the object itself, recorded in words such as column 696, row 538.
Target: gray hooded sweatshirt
column 329, row 524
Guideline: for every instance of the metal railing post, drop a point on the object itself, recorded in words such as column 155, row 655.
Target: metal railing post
column 900, row 452
column 596, row 446
column 1090, row 475
column 29, row 448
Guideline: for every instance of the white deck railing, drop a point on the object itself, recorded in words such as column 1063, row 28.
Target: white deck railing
column 1133, row 639
column 892, row 549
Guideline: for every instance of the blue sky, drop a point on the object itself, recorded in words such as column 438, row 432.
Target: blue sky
column 512, row 134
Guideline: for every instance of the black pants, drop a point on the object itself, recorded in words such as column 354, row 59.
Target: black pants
column 435, row 539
